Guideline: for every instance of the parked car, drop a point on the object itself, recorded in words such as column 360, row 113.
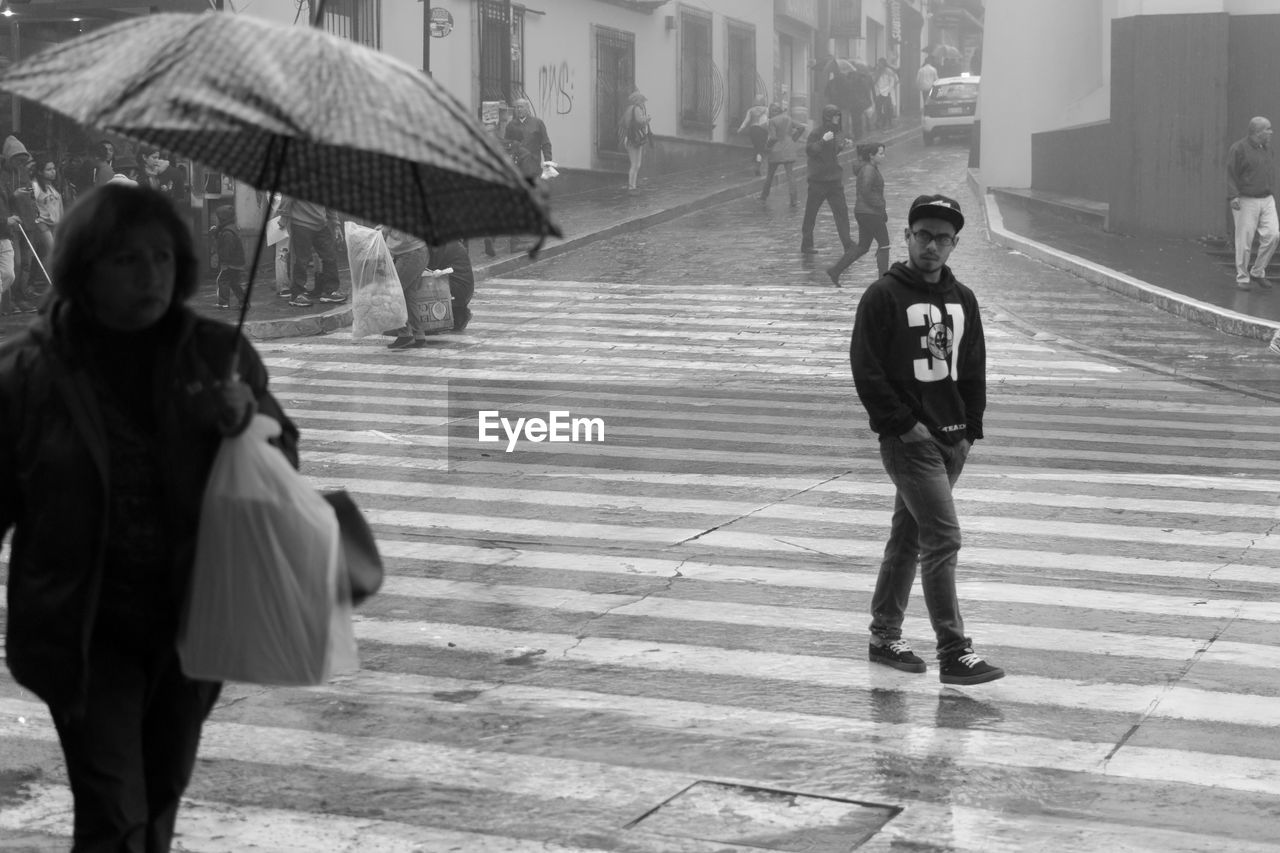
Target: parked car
column 951, row 107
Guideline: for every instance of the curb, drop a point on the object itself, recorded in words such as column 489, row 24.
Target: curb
column 337, row 318
column 1180, row 305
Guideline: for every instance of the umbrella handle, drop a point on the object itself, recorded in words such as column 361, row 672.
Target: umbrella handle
column 34, row 254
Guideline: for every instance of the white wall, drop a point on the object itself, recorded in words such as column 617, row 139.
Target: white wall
column 1045, row 65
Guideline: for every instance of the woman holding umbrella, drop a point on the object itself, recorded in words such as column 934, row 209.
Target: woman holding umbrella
column 111, row 412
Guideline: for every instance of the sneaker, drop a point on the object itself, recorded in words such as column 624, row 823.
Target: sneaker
column 1259, row 280
column 224, row 304
column 965, row 667
column 334, row 296
column 301, row 301
column 808, row 250
column 897, row 654
column 834, row 276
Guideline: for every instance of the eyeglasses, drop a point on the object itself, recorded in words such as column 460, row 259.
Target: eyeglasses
column 924, row 238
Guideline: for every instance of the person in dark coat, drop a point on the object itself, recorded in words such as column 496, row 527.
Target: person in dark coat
column 826, row 179
column 869, row 212
column 113, row 404
column 231, row 260
column 530, row 143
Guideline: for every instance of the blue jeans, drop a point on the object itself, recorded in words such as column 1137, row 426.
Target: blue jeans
column 924, row 527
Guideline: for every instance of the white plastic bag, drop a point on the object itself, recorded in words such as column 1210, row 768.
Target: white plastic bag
column 267, row 603
column 549, row 170
column 377, row 300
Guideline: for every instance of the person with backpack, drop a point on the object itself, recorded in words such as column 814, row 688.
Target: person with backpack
column 634, row 131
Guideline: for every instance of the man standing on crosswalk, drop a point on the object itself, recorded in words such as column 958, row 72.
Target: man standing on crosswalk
column 919, row 366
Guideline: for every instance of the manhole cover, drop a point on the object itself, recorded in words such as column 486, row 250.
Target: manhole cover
column 767, row 819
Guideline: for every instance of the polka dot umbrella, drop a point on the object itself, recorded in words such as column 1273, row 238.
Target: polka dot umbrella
column 292, row 110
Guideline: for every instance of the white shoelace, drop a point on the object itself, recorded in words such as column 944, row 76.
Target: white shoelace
column 898, row 647
column 969, row 659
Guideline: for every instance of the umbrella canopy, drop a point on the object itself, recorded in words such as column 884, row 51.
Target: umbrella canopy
column 293, row 110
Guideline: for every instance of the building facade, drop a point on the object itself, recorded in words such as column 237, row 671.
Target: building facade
column 1132, row 103
column 701, row 63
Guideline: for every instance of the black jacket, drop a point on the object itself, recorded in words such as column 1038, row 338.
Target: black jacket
column 54, row 480
column 824, row 162
column 918, row 355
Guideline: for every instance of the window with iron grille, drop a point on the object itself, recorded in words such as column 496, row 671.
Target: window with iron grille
column 501, row 50
column 697, row 71
column 741, row 69
column 357, row 20
column 846, row 19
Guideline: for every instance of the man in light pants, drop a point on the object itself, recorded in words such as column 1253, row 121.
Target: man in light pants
column 1251, row 180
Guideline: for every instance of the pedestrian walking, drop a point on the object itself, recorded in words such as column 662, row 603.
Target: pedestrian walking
column 782, row 150
column 111, row 414
column 104, row 155
column 531, row 146
column 634, row 131
column 886, row 89
column 16, row 186
column 869, row 212
column 826, row 179
column 49, row 209
column 310, row 230
column 498, row 130
column 756, row 125
column 919, row 366
column 231, row 260
column 152, row 167
column 9, row 301
column 1251, row 178
column 410, row 257
column 925, row 78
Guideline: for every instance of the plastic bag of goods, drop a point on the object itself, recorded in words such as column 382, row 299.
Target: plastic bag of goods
column 268, row 602
column 377, row 300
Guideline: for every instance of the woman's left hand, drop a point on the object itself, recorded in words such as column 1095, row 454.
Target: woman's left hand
column 238, row 406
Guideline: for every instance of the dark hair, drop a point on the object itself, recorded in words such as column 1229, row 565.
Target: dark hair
column 37, row 169
column 93, row 225
column 868, row 150
column 104, row 151
column 145, row 151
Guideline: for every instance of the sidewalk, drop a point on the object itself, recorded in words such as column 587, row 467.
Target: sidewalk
column 1188, row 278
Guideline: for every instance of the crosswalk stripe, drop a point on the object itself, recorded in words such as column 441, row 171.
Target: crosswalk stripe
column 826, row 512
column 1111, row 515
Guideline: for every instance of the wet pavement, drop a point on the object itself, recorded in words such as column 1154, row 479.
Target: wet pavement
column 1198, row 269
column 656, row 644
column 1189, row 269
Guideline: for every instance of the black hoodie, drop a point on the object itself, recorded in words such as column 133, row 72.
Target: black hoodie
column 824, row 156
column 918, row 355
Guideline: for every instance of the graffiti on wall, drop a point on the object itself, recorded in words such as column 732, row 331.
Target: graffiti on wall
column 555, row 89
